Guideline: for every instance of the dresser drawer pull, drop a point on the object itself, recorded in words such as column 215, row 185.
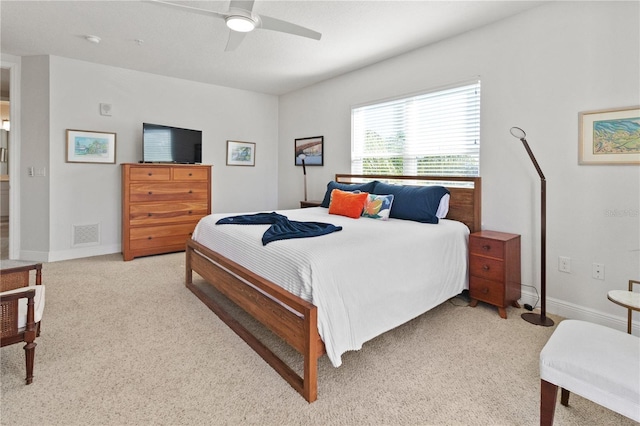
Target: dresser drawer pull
column 149, row 214
column 190, row 212
column 150, row 193
column 484, row 290
column 485, row 267
column 190, row 174
column 149, row 238
column 150, row 174
column 190, row 191
column 486, row 247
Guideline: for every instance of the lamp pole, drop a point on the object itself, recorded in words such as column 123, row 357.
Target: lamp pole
column 304, row 172
column 533, row 318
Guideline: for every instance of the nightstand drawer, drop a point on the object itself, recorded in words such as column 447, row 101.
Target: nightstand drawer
column 486, row 267
column 487, row 291
column 487, row 247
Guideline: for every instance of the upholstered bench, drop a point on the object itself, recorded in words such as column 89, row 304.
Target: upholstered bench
column 596, row 362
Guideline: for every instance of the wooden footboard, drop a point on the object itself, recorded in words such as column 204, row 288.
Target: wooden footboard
column 291, row 318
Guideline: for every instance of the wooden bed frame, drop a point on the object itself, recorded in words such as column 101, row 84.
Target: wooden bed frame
column 290, row 317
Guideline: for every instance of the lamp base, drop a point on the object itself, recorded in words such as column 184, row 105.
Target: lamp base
column 537, row 319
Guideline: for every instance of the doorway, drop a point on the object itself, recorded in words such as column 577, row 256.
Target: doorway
column 10, row 93
column 5, row 128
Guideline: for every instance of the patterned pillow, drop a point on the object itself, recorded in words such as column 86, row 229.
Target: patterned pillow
column 378, row 206
column 348, row 204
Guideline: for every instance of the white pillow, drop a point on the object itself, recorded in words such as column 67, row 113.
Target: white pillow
column 443, row 207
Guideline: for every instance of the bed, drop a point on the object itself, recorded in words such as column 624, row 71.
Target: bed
column 358, row 290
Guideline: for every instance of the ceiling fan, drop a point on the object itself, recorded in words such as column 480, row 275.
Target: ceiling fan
column 240, row 19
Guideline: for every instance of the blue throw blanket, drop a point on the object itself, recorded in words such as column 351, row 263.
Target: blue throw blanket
column 281, row 227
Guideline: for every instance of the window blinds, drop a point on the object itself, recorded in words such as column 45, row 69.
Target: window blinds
column 435, row 133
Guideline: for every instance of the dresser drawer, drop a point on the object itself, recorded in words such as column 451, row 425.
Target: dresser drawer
column 158, row 213
column 486, row 247
column 170, row 191
column 150, row 173
column 190, row 173
column 159, row 236
column 486, row 267
column 487, row 291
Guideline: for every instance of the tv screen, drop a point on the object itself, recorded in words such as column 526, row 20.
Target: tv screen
column 164, row 144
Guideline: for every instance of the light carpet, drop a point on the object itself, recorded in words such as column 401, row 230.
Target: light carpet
column 125, row 343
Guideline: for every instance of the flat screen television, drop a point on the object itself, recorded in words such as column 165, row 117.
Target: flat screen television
column 165, row 144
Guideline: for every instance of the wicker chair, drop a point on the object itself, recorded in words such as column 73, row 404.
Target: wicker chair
column 21, row 310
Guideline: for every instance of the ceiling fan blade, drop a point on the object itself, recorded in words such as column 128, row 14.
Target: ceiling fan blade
column 274, row 24
column 189, row 8
column 242, row 4
column 235, row 38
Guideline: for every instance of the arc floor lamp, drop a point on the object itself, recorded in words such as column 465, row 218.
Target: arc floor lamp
column 541, row 318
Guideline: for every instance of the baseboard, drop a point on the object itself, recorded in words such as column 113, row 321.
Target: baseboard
column 77, row 253
column 572, row 311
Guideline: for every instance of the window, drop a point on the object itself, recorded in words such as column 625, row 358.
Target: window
column 435, row 133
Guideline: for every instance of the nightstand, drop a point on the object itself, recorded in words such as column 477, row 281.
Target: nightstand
column 494, row 269
column 305, row 204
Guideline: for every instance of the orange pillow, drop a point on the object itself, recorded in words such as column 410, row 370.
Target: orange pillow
column 346, row 203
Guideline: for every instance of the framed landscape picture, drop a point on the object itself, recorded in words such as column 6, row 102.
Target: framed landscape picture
column 84, row 146
column 610, row 136
column 312, row 148
column 241, row 153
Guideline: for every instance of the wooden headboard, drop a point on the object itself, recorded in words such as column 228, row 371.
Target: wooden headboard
column 466, row 193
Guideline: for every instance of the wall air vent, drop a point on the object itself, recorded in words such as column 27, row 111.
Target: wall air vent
column 85, row 235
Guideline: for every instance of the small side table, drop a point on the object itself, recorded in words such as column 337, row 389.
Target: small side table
column 627, row 299
column 310, row 203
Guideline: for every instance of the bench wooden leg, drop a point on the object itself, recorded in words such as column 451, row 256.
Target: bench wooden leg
column 548, row 396
column 29, row 354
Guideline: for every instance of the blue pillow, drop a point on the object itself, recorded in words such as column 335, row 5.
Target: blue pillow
column 350, row 187
column 417, row 203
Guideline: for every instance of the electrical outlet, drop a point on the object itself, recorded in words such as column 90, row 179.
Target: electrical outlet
column 598, row 271
column 564, row 264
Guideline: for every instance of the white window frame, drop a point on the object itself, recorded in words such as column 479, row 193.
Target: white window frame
column 412, row 139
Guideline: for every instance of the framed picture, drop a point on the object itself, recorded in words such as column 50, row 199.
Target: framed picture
column 312, row 148
column 610, row 136
column 241, row 153
column 84, row 146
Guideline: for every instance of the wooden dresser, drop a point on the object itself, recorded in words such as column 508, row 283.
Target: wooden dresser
column 494, row 269
column 161, row 205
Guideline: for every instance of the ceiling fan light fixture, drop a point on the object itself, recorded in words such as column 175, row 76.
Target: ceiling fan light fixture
column 240, row 23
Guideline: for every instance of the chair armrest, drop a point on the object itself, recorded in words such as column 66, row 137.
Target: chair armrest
column 30, row 309
column 631, row 283
column 18, row 293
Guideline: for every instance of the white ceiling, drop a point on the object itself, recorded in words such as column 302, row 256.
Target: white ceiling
column 191, row 46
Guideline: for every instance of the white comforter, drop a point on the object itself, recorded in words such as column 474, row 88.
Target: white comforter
column 365, row 280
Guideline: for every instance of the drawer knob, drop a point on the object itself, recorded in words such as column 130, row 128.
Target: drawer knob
column 190, row 192
column 190, row 212
column 148, row 238
column 190, row 174
column 150, row 193
column 150, row 174
column 149, row 214
column 486, row 247
column 485, row 267
column 485, row 290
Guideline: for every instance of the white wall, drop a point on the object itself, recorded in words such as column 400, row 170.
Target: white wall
column 538, row 71
column 86, row 194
